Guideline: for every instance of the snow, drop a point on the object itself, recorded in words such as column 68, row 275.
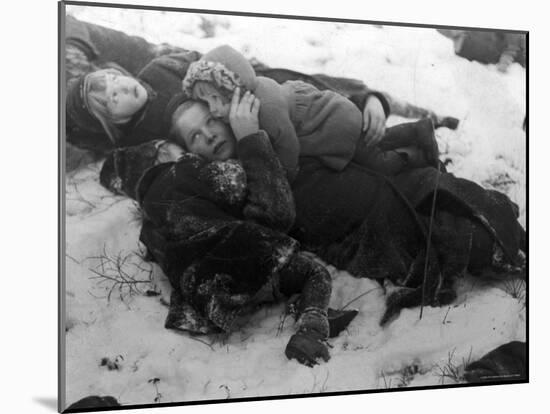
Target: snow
column 152, row 364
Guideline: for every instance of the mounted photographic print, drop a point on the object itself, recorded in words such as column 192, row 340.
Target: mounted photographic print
column 258, row 206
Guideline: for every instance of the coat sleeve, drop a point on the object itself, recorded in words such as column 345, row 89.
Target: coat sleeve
column 103, row 44
column 269, row 201
column 360, row 100
column 97, row 142
column 175, row 63
column 275, row 120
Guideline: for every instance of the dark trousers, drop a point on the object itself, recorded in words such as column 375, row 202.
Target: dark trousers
column 305, row 276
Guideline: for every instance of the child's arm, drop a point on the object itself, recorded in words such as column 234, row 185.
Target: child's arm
column 175, row 63
column 269, row 201
column 375, row 109
column 275, row 120
column 361, row 99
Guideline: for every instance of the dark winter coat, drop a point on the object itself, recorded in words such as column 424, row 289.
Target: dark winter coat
column 217, row 229
column 493, row 210
column 164, row 75
column 373, row 227
column 355, row 220
column 102, row 45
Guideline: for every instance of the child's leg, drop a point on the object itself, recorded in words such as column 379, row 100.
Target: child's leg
column 302, row 274
column 419, row 134
column 390, row 162
column 307, row 277
column 404, row 146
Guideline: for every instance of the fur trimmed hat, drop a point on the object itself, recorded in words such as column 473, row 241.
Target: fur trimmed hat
column 225, row 68
column 214, row 73
column 79, row 110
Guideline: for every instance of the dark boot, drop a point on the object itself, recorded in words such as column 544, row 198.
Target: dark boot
column 508, row 362
column 94, row 401
column 307, row 348
column 338, row 320
column 446, row 121
column 418, row 134
column 308, row 345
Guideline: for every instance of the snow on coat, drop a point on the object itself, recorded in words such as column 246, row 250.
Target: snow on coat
column 217, row 229
column 374, row 227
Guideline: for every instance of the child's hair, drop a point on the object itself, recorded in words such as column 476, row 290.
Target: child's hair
column 204, row 88
column 176, row 108
column 95, row 100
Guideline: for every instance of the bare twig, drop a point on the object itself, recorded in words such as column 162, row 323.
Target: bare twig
column 227, row 390
column 516, row 289
column 112, row 271
column 155, row 382
column 72, row 258
column 202, row 342
column 429, row 241
column 281, row 323
column 447, row 313
column 359, row 297
column 387, row 384
column 324, row 386
column 451, row 370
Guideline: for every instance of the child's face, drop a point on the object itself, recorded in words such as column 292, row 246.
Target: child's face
column 125, row 96
column 219, row 105
column 205, row 135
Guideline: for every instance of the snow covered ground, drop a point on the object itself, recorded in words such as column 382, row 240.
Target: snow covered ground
column 115, row 339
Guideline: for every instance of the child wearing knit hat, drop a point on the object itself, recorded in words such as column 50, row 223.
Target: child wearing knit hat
column 303, row 121
column 110, row 108
column 106, row 98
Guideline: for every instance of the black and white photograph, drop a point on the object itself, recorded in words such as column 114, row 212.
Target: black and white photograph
column 270, row 206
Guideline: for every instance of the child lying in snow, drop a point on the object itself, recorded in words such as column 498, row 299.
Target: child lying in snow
column 111, row 108
column 303, row 121
column 371, row 227
column 217, row 229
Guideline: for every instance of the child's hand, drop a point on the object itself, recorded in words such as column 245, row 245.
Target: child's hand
column 243, row 115
column 374, row 121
